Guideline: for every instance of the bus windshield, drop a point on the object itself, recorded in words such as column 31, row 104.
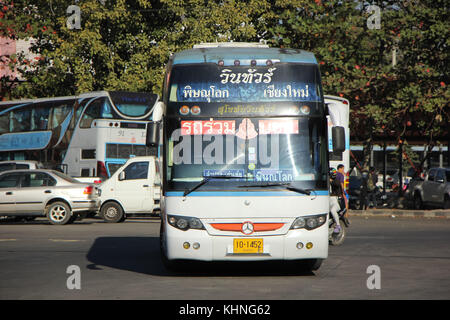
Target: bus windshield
column 254, row 151
column 133, row 104
column 259, row 125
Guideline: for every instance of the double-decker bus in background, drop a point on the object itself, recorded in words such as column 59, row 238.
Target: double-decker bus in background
column 244, row 140
column 89, row 135
column 338, row 115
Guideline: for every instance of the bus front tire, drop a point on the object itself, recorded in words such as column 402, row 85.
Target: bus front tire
column 112, row 212
column 168, row 264
column 418, row 203
column 310, row 265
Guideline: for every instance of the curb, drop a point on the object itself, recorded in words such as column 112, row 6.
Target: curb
column 443, row 214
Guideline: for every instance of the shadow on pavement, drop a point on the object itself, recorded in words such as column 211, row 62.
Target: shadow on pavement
column 141, row 255
column 40, row 221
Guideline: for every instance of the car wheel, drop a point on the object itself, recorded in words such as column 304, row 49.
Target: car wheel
column 418, row 204
column 112, row 212
column 58, row 213
column 447, row 202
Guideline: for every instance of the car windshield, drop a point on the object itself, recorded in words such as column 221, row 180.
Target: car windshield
column 250, row 151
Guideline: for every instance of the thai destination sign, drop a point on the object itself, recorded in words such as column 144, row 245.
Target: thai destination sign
column 245, row 86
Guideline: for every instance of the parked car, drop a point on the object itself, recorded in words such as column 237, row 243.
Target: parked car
column 434, row 190
column 41, row 192
column 20, row 164
column 133, row 188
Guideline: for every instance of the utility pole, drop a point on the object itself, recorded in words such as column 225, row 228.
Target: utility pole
column 400, row 171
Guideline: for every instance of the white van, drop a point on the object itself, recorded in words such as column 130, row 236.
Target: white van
column 133, row 188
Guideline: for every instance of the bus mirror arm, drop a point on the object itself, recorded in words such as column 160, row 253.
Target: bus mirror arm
column 338, row 134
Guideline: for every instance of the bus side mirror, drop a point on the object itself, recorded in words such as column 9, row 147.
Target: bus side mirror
column 153, row 129
column 338, row 134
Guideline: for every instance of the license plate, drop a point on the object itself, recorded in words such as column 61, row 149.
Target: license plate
column 247, row 245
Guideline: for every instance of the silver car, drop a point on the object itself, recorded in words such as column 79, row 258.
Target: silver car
column 48, row 193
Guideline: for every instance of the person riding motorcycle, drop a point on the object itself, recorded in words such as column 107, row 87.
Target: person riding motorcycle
column 336, row 192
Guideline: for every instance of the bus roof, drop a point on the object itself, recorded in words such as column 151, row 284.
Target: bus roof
column 244, row 54
column 35, row 100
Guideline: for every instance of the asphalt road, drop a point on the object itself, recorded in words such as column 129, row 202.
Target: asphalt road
column 382, row 258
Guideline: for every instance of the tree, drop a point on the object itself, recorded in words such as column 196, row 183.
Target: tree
column 387, row 100
column 124, row 45
column 121, row 45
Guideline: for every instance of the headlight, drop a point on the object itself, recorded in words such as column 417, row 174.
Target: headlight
column 298, row 223
column 309, row 222
column 185, row 223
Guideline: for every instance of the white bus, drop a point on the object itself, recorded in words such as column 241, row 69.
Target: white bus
column 244, row 156
column 89, row 135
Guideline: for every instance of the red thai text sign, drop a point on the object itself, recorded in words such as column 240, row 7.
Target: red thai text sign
column 214, row 127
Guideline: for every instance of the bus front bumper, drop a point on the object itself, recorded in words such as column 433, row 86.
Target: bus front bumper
column 199, row 245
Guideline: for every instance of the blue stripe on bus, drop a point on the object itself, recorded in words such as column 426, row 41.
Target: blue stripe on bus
column 35, row 140
column 242, row 193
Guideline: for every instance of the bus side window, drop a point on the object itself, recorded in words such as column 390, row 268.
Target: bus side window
column 106, row 110
column 92, row 112
column 60, row 113
column 39, row 118
column 4, row 123
column 21, row 120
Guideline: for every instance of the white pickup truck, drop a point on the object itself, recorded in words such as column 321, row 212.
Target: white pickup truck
column 133, row 188
column 434, row 190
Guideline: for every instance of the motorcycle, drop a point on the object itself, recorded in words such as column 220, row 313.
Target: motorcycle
column 337, row 239
column 381, row 199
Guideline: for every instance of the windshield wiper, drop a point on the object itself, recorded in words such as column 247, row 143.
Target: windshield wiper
column 207, row 179
column 284, row 184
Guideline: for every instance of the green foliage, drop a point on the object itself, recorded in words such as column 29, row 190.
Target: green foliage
column 124, row 45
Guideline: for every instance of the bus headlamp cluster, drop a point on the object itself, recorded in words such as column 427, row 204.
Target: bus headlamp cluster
column 309, row 222
column 185, row 223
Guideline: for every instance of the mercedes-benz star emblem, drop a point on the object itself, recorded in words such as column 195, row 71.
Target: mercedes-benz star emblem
column 247, row 228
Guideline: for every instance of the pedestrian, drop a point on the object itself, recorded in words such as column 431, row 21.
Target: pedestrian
column 363, row 201
column 335, row 194
column 340, row 176
column 371, row 187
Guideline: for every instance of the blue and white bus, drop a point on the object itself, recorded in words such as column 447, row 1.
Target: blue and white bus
column 244, row 156
column 89, row 135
